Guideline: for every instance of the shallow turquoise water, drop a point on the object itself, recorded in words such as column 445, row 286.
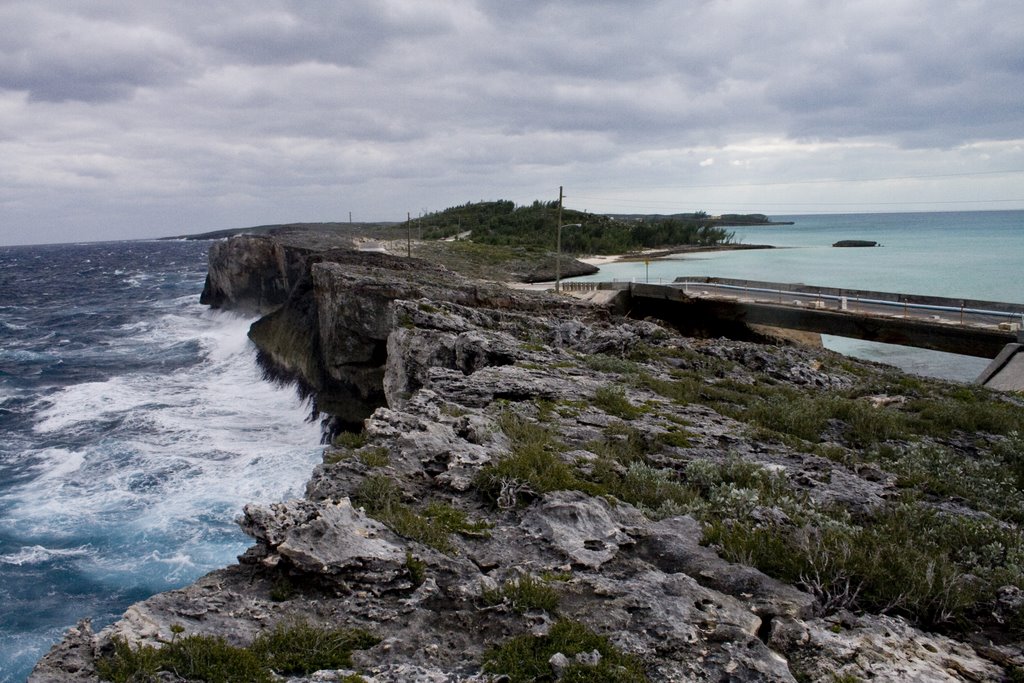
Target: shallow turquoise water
column 976, row 255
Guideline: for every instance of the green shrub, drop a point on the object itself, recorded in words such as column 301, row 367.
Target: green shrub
column 651, row 490
column 282, row 590
column 610, row 364
column 294, row 648
column 522, row 594
column 803, row 417
column 680, row 438
column 417, row 569
column 381, row 497
column 524, row 659
column 371, row 457
column 374, row 457
column 968, row 410
column 680, row 390
column 624, row 444
column 379, row 494
column 455, row 521
column 201, row 658
column 613, row 401
column 126, row 663
column 531, row 468
column 351, row 440
column 301, row 648
column 986, row 480
column 907, row 559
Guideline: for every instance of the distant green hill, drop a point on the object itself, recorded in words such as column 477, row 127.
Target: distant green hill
column 505, row 224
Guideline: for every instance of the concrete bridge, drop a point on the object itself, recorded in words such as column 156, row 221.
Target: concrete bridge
column 988, row 329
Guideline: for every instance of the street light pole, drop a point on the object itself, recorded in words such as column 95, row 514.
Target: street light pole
column 558, row 245
column 558, row 242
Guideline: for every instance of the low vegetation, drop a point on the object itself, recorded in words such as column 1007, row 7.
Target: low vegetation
column 940, row 568
column 381, row 497
column 296, row 648
column 522, row 594
column 526, row 658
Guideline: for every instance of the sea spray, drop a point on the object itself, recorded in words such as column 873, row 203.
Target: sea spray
column 134, row 425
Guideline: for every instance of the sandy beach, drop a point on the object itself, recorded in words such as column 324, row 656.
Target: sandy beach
column 654, row 254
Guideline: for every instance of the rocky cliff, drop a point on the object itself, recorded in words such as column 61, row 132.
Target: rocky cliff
column 531, row 488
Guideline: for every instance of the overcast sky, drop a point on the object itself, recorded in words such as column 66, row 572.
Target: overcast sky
column 144, row 118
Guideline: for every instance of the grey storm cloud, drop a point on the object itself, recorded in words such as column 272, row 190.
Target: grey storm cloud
column 58, row 57
column 280, row 109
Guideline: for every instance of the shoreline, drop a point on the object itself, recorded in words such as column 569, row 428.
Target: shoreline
column 656, row 254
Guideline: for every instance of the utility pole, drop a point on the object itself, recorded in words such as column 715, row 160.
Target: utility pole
column 558, row 245
column 408, row 234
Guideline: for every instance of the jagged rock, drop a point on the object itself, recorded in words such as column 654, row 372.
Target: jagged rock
column 691, row 632
column 586, row 530
column 325, row 538
column 250, row 273
column 70, row 660
column 399, row 673
column 673, row 545
column 883, row 648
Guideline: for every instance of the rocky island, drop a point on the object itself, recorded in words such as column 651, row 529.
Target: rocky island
column 526, row 487
column 855, row 243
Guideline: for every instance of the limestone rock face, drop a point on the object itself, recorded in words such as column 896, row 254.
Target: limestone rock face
column 328, row 538
column 582, row 528
column 879, row 648
column 332, row 334
column 251, row 274
column 70, row 660
column 673, row 544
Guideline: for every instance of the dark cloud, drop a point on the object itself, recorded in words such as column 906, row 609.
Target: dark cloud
column 281, row 109
column 56, row 57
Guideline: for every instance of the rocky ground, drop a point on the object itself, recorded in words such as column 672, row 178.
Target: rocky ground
column 526, row 487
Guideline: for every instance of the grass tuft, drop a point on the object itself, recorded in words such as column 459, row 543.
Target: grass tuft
column 381, row 497
column 525, row 658
column 523, row 594
column 612, row 400
column 294, row 648
column 531, row 468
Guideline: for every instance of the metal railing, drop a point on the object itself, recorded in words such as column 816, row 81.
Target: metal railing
column 568, row 286
column 852, row 300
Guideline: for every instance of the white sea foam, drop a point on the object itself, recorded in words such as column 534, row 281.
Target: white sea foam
column 57, row 463
column 87, row 402
column 37, row 554
column 159, row 465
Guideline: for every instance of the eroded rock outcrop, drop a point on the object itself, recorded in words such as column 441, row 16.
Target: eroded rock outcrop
column 252, row 274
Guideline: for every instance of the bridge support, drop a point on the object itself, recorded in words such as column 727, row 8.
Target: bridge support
column 1006, row 371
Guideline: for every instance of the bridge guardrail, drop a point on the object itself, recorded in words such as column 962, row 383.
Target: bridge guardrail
column 1008, row 315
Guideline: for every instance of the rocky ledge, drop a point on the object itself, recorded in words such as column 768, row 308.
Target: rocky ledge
column 523, row 487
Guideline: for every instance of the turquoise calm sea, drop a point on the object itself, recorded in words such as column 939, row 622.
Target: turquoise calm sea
column 976, row 254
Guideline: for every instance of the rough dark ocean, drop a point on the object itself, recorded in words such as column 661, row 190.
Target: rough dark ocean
column 133, row 427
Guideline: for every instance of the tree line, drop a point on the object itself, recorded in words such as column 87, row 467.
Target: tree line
column 505, row 224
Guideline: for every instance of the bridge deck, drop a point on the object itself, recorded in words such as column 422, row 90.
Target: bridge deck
column 964, row 326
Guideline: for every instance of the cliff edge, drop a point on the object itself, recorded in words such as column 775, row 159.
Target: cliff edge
column 527, row 487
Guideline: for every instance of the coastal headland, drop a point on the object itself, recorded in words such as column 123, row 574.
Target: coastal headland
column 523, row 486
